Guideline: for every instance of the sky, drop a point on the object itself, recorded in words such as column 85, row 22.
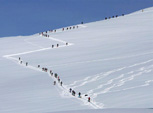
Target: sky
column 27, row 17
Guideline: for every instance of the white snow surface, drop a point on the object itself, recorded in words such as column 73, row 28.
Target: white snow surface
column 110, row 60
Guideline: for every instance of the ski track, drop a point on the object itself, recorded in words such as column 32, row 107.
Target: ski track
column 122, row 82
column 121, row 79
column 102, row 75
column 65, row 91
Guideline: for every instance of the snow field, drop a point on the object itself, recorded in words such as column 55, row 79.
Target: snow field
column 110, row 60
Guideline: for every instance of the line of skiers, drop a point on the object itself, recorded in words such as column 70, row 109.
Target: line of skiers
column 51, row 31
column 58, row 79
column 71, row 27
column 112, row 17
column 48, row 36
column 79, row 94
column 46, row 70
column 22, row 62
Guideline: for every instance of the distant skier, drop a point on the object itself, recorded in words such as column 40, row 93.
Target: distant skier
column 61, row 83
column 46, row 69
column 86, row 95
column 73, row 93
column 26, row 63
column 38, row 66
column 66, row 43
column 52, row 46
column 55, row 75
column 54, row 82
column 57, row 45
column 88, row 99
column 19, row 58
column 79, row 94
column 52, row 74
column 50, row 71
column 43, row 69
column 70, row 90
column 20, row 62
column 59, row 80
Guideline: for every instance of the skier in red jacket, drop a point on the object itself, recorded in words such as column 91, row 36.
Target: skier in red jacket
column 88, row 99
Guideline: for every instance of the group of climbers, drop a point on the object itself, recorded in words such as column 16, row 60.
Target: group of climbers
column 57, row 77
column 79, row 94
column 112, row 17
column 46, row 35
column 63, row 29
column 58, row 80
column 46, row 70
column 71, row 27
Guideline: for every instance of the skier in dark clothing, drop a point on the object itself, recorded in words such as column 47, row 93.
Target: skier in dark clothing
column 86, row 95
column 57, row 45
column 26, row 63
column 70, row 90
column 73, row 93
column 38, row 66
column 19, row 58
column 54, row 82
column 52, row 74
column 55, row 75
column 61, row 83
column 79, row 95
column 50, row 71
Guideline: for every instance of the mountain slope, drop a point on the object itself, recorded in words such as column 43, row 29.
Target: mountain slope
column 110, row 60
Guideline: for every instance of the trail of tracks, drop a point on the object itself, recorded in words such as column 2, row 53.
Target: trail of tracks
column 64, row 89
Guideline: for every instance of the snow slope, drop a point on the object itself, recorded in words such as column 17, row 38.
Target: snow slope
column 110, row 60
